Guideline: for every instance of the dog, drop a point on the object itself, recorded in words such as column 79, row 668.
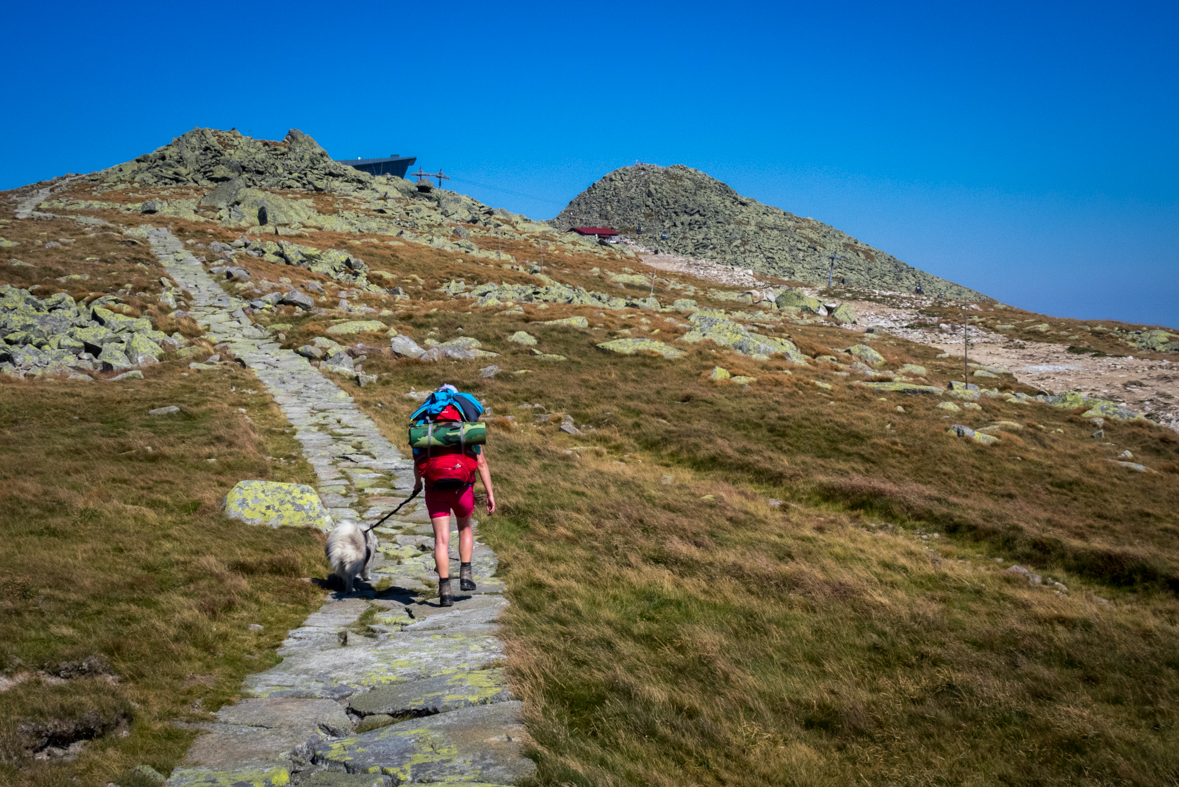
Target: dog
column 350, row 552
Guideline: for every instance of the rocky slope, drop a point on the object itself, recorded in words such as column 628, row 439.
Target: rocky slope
column 706, row 219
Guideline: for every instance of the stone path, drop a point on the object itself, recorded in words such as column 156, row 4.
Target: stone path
column 432, row 675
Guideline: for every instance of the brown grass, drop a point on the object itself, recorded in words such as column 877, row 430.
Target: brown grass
column 115, row 548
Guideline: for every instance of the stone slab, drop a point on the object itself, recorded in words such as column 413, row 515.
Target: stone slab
column 440, row 694
column 480, row 743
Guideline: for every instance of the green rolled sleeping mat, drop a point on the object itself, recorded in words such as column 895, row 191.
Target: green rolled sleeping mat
column 447, row 434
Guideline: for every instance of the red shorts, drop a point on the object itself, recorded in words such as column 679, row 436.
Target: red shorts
column 440, row 502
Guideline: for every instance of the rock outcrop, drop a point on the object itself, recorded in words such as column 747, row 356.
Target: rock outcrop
column 58, row 336
column 207, row 157
column 706, row 219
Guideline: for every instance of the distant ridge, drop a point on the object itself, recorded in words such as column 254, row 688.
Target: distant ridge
column 706, row 219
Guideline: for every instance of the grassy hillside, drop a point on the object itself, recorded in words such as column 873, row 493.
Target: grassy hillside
column 799, row 580
column 127, row 596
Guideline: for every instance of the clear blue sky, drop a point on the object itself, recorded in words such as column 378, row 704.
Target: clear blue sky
column 1028, row 150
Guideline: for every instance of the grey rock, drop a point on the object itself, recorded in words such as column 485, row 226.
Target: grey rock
column 296, row 298
column 406, row 347
column 439, row 694
column 164, row 410
column 489, row 371
column 480, row 743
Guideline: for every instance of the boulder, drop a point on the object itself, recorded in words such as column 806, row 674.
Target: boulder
column 113, row 359
column 296, row 298
column 736, row 336
column 866, row 354
column 843, row 314
column 405, row 347
column 718, row 374
column 277, row 505
column 1102, row 408
column 520, row 337
column 796, row 299
column 169, row 410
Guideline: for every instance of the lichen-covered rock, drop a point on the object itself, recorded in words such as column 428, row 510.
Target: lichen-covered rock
column 797, row 299
column 735, row 336
column 633, row 346
column 905, row 388
column 573, row 322
column 718, row 374
column 741, row 379
column 481, row 743
column 1102, row 408
column 142, row 350
column 913, row 369
column 843, row 314
column 438, row 694
column 277, row 505
column 113, row 359
column 866, row 354
column 521, row 337
column 948, row 406
column 357, row 326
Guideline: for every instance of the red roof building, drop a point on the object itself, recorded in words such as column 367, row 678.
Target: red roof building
column 599, row 232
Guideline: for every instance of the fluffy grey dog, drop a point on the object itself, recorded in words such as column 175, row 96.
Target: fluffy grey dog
column 350, row 552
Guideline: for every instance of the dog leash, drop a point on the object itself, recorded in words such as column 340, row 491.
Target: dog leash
column 394, row 511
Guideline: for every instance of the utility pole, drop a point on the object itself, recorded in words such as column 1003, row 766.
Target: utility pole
column 965, row 352
column 652, row 295
column 831, row 270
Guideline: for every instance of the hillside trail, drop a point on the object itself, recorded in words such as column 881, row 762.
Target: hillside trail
column 408, row 658
column 1147, row 386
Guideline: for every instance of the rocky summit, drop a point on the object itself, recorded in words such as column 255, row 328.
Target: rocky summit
column 704, row 218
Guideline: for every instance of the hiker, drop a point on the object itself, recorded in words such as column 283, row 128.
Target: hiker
column 448, row 475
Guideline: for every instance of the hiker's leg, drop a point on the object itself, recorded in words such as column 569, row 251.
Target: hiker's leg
column 466, row 539
column 442, row 544
column 464, row 507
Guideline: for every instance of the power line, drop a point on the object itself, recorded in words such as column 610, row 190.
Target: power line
column 506, row 191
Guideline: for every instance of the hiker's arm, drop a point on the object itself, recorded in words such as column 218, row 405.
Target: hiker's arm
column 485, row 477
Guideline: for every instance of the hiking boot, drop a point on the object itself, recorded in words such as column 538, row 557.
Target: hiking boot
column 465, row 581
column 445, row 597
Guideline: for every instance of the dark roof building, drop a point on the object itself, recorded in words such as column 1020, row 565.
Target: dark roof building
column 394, row 166
column 599, row 232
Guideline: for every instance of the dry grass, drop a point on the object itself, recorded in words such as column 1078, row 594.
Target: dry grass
column 670, row 626
column 117, row 556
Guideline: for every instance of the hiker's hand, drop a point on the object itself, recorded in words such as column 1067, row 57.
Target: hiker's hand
column 417, row 487
column 491, row 504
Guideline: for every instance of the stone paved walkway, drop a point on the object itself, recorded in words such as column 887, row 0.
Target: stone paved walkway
column 437, row 669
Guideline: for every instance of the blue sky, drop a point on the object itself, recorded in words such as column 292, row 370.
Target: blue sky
column 1027, row 150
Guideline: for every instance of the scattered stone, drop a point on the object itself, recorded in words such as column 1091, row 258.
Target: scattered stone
column 1129, row 465
column 134, row 374
column 169, row 410
column 718, row 374
column 735, row 336
column 950, row 406
column 489, row 371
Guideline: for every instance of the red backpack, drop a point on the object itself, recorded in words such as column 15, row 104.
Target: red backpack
column 448, row 469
